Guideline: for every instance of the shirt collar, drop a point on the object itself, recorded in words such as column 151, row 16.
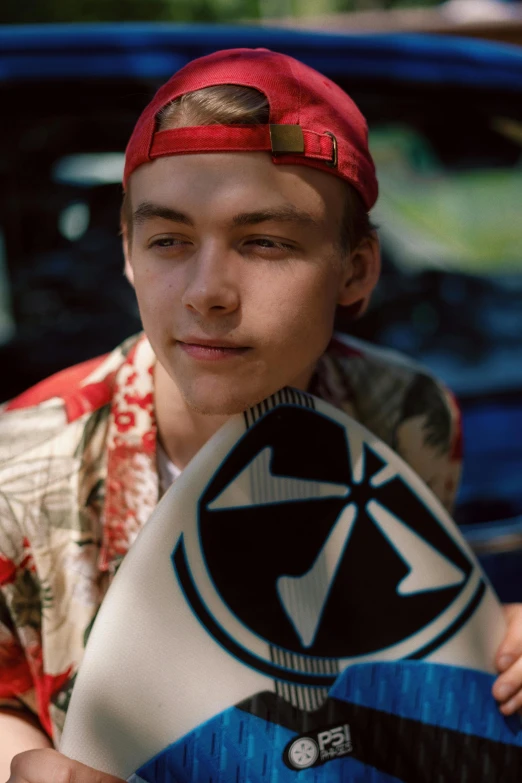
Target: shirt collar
column 131, row 492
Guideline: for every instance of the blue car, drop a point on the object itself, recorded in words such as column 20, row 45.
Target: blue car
column 445, row 119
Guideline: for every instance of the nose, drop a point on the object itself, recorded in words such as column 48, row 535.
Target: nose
column 212, row 285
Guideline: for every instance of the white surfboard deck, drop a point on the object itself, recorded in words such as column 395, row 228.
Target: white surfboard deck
column 295, row 544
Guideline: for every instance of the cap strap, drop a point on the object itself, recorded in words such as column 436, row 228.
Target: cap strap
column 277, row 139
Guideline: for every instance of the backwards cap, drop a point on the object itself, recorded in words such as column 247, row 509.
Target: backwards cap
column 312, row 122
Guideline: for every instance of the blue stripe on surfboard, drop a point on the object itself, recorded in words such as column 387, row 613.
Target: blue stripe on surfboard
column 450, row 696
column 239, row 746
column 235, row 747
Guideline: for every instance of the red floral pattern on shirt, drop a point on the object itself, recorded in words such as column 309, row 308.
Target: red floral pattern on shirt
column 7, row 571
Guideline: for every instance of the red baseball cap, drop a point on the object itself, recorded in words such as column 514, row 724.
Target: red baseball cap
column 312, row 121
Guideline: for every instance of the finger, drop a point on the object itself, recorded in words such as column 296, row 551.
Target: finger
column 511, row 648
column 512, row 706
column 49, row 766
column 509, row 682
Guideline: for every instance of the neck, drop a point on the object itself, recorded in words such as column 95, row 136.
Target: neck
column 181, row 430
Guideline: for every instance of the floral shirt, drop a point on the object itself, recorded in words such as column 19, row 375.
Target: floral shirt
column 78, row 480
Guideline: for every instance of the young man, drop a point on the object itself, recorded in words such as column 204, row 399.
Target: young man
column 245, row 223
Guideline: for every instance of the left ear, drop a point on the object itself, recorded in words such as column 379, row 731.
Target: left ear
column 363, row 268
column 128, row 271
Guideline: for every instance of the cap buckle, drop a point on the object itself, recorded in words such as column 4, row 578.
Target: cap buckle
column 333, row 162
column 286, row 139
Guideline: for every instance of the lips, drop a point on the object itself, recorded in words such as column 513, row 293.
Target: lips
column 211, row 350
column 205, row 343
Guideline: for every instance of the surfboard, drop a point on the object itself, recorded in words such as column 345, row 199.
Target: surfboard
column 299, row 604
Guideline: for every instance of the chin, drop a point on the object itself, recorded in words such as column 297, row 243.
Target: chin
column 223, row 402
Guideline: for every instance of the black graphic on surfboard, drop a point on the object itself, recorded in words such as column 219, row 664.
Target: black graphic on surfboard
column 293, row 519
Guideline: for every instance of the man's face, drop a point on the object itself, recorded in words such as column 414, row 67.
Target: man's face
column 238, row 271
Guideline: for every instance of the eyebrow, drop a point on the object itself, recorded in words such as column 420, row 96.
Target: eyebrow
column 285, row 214
column 148, row 211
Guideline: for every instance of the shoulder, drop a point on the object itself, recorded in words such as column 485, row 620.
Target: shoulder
column 401, row 402
column 351, row 351
column 52, row 451
column 57, row 402
column 387, row 383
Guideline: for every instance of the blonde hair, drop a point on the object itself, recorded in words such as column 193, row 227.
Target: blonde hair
column 224, row 104
column 231, row 104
